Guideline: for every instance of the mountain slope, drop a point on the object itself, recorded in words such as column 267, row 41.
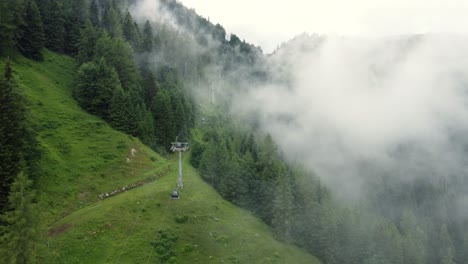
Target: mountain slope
column 84, row 157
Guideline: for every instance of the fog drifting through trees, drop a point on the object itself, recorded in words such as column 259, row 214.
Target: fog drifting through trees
column 398, row 103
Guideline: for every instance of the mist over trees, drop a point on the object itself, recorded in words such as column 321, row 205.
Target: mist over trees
column 173, row 72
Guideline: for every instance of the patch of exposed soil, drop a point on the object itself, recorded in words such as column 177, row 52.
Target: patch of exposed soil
column 59, row 230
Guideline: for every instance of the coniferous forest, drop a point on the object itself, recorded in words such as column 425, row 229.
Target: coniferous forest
column 153, row 79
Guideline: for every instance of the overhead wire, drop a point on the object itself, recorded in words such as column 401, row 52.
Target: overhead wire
column 132, row 230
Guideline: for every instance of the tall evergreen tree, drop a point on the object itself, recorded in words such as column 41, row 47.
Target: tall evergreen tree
column 209, row 167
column 119, row 55
column 149, row 86
column 145, row 125
column 18, row 236
column 112, row 22
column 72, row 36
column 12, row 131
column 79, row 11
column 120, row 112
column 130, row 31
column 32, row 32
column 75, row 20
column 95, row 86
column 11, row 19
column 54, row 30
column 94, row 16
column 415, row 241
column 147, row 44
column 164, row 127
column 446, row 250
column 87, row 43
column 283, row 205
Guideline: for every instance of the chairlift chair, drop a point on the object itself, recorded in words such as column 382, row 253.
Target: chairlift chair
column 175, row 195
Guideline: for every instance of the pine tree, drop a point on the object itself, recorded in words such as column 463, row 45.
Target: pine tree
column 76, row 18
column 209, row 164
column 164, row 126
column 19, row 235
column 94, row 14
column 79, row 12
column 119, row 55
column 72, row 36
column 446, row 251
column 136, row 115
column 196, row 149
column 225, row 171
column 12, row 133
column 112, row 23
column 32, row 37
column 54, row 30
column 120, row 112
column 130, row 31
column 145, row 125
column 147, row 38
column 179, row 113
column 87, row 43
column 267, row 157
column 149, row 86
column 414, row 242
column 95, row 86
column 387, row 242
column 283, row 205
column 11, row 19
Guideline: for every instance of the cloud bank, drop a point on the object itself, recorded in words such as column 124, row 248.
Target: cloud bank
column 268, row 23
column 397, row 103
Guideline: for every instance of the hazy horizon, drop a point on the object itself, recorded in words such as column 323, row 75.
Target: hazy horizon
column 270, row 23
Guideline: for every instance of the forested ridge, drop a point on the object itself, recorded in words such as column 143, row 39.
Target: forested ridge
column 156, row 79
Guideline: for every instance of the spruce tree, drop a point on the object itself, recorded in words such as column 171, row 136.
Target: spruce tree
column 209, row 164
column 130, row 31
column 119, row 55
column 19, row 234
column 283, row 204
column 231, row 185
column 95, row 86
column 73, row 24
column 72, row 37
column 445, row 247
column 120, row 112
column 11, row 19
column 54, row 30
column 12, row 132
column 414, row 241
column 87, row 43
column 164, row 126
column 32, row 37
column 196, row 150
column 94, row 14
column 145, row 125
column 112, row 23
column 147, row 38
column 149, row 86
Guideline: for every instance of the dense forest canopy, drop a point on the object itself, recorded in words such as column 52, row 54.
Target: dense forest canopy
column 289, row 136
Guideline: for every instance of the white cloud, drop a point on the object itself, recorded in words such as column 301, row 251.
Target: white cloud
column 395, row 103
column 267, row 22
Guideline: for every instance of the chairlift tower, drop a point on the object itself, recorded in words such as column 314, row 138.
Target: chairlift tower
column 180, row 147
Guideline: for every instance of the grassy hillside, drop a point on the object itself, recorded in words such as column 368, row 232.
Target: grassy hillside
column 84, row 157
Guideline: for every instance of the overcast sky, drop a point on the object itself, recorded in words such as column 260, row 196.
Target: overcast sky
column 269, row 22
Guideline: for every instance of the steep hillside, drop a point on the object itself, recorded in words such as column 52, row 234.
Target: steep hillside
column 84, row 157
